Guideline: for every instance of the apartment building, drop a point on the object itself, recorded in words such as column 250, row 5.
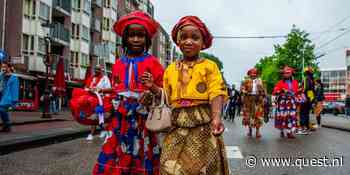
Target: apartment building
column 334, row 82
column 79, row 31
column 162, row 47
column 28, row 25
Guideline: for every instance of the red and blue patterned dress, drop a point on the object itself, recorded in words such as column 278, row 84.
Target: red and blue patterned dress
column 131, row 149
column 287, row 99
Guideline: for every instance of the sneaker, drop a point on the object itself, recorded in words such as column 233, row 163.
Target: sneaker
column 302, row 132
column 103, row 134
column 90, row 137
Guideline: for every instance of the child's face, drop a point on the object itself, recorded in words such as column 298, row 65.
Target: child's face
column 190, row 41
column 136, row 38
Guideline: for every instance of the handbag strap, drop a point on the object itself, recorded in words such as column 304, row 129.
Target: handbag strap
column 163, row 99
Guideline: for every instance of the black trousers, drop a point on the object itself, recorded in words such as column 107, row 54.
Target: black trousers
column 305, row 114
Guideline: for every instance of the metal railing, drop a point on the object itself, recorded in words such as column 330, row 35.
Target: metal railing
column 59, row 32
column 64, row 4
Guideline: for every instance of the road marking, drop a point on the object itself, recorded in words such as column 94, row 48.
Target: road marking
column 233, row 152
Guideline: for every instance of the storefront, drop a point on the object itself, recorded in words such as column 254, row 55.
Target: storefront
column 28, row 93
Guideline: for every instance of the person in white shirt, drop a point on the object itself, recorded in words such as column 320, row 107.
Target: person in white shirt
column 96, row 85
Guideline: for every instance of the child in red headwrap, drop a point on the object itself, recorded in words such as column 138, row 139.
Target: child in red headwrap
column 197, row 93
column 131, row 148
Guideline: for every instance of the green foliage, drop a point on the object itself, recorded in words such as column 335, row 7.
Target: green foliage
column 291, row 53
column 212, row 58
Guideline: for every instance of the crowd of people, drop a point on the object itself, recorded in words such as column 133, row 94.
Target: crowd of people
column 290, row 103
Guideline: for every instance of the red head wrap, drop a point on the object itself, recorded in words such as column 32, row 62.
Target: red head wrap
column 287, row 69
column 136, row 17
column 252, row 71
column 194, row 21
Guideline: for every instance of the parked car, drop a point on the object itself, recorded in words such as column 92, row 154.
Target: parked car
column 334, row 108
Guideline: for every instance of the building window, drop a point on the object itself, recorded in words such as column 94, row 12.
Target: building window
column 87, row 6
column 25, row 44
column 76, row 4
column 75, row 31
column 85, row 33
column 84, row 60
column 31, row 43
column 42, row 45
column 107, row 3
column 74, row 59
column 29, row 8
column 106, row 24
column 28, row 42
column 114, row 4
column 44, row 11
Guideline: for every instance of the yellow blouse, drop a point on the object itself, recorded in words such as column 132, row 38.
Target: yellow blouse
column 189, row 84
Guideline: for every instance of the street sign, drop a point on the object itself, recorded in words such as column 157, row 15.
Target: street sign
column 3, row 55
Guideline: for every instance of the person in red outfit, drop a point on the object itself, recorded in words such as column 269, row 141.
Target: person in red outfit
column 132, row 149
column 286, row 91
column 95, row 85
column 87, row 101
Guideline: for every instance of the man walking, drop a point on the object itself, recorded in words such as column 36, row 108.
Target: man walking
column 9, row 98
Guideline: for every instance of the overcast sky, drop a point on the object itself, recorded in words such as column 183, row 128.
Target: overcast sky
column 262, row 17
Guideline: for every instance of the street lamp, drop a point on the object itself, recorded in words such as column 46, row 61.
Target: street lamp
column 47, row 61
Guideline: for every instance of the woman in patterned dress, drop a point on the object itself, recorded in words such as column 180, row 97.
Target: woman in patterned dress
column 132, row 149
column 253, row 93
column 286, row 91
column 197, row 93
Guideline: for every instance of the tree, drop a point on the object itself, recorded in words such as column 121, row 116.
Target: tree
column 212, row 58
column 296, row 48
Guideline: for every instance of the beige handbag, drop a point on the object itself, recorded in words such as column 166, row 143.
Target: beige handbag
column 159, row 117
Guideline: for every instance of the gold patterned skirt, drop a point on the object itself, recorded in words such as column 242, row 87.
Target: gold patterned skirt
column 253, row 111
column 190, row 148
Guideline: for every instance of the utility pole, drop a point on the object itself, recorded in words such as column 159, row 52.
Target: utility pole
column 48, row 61
column 303, row 66
column 3, row 26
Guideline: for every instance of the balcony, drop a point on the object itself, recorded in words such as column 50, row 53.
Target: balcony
column 95, row 49
column 62, row 6
column 100, row 50
column 60, row 34
column 97, row 3
column 96, row 24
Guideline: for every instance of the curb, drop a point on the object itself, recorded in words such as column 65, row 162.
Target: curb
column 336, row 127
column 38, row 141
column 38, row 121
